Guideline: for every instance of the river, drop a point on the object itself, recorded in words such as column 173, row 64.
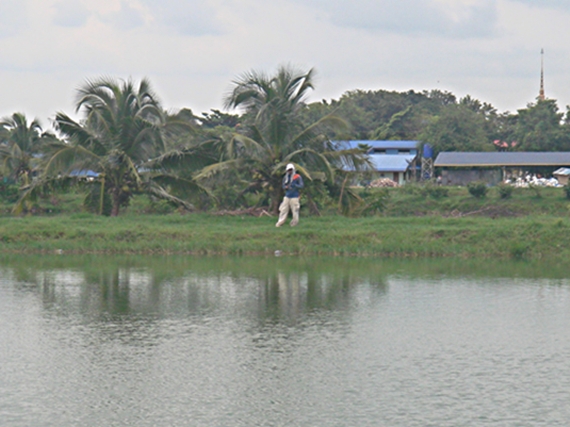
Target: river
column 181, row 341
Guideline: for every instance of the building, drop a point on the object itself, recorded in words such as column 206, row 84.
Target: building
column 396, row 160
column 562, row 175
column 492, row 167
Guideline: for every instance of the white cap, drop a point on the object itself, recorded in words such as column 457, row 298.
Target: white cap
column 290, row 166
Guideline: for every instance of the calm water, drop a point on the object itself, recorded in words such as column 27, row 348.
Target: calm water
column 95, row 341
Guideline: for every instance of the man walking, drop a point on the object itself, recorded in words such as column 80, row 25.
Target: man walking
column 292, row 183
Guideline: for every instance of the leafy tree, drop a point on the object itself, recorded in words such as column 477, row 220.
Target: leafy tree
column 539, row 128
column 457, row 128
column 387, row 114
column 218, row 118
column 398, row 127
column 21, row 143
column 125, row 138
column 274, row 133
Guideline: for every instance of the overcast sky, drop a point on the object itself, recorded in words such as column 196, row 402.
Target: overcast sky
column 192, row 50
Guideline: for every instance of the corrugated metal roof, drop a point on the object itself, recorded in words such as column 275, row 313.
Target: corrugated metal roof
column 391, row 163
column 84, row 173
column 380, row 145
column 562, row 172
column 497, row 159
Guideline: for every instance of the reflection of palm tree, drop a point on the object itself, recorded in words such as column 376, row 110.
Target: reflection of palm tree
column 20, row 146
column 290, row 303
column 121, row 139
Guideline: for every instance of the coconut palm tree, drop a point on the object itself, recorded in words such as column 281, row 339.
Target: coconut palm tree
column 274, row 133
column 20, row 147
column 122, row 140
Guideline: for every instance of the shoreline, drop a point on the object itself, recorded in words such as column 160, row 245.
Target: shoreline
column 532, row 237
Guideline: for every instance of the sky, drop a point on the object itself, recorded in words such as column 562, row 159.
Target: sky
column 192, row 50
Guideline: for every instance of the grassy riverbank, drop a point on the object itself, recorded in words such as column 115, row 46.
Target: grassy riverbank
column 527, row 237
column 533, row 224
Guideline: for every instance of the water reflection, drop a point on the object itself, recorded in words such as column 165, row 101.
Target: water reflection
column 269, row 290
column 152, row 341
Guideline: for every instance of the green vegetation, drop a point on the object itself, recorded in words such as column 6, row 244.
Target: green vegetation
column 470, row 236
column 505, row 190
column 477, row 189
column 21, row 144
column 522, row 227
column 132, row 145
column 274, row 135
column 155, row 166
column 123, row 140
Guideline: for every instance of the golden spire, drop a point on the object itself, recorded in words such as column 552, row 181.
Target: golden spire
column 541, row 93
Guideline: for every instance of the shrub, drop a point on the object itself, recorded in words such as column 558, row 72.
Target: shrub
column 9, row 193
column 374, row 202
column 567, row 190
column 92, row 201
column 519, row 250
column 434, row 191
column 505, row 191
column 477, row 189
column 537, row 189
column 412, row 188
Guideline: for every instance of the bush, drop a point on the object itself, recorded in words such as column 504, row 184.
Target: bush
column 537, row 189
column 434, row 191
column 477, row 189
column 374, row 202
column 92, row 201
column 505, row 191
column 9, row 192
column 411, row 188
column 519, row 250
column 567, row 190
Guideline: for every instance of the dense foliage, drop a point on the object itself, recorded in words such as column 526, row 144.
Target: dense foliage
column 233, row 160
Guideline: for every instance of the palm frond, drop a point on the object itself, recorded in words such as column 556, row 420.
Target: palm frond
column 157, row 191
column 217, row 168
column 68, row 158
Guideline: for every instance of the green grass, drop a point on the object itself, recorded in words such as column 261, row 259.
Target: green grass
column 524, row 201
column 523, row 227
column 427, row 236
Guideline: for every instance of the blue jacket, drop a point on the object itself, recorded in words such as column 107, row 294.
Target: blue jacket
column 292, row 183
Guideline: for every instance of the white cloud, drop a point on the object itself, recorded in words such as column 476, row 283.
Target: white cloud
column 541, row 4
column 12, row 17
column 70, row 13
column 191, row 51
column 126, row 18
column 191, row 18
column 437, row 17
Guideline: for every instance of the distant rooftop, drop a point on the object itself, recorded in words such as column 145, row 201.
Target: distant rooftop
column 380, row 145
column 84, row 173
column 498, row 159
column 384, row 163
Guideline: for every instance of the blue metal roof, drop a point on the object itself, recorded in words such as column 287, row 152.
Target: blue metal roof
column 380, row 145
column 391, row 163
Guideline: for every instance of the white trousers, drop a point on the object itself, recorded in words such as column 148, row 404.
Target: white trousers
column 286, row 205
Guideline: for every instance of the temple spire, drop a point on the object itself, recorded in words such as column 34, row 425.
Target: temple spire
column 541, row 93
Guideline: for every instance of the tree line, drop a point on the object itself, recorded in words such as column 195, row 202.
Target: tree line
column 126, row 143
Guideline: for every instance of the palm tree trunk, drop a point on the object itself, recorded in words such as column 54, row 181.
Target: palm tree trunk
column 276, row 198
column 116, row 198
column 102, row 197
